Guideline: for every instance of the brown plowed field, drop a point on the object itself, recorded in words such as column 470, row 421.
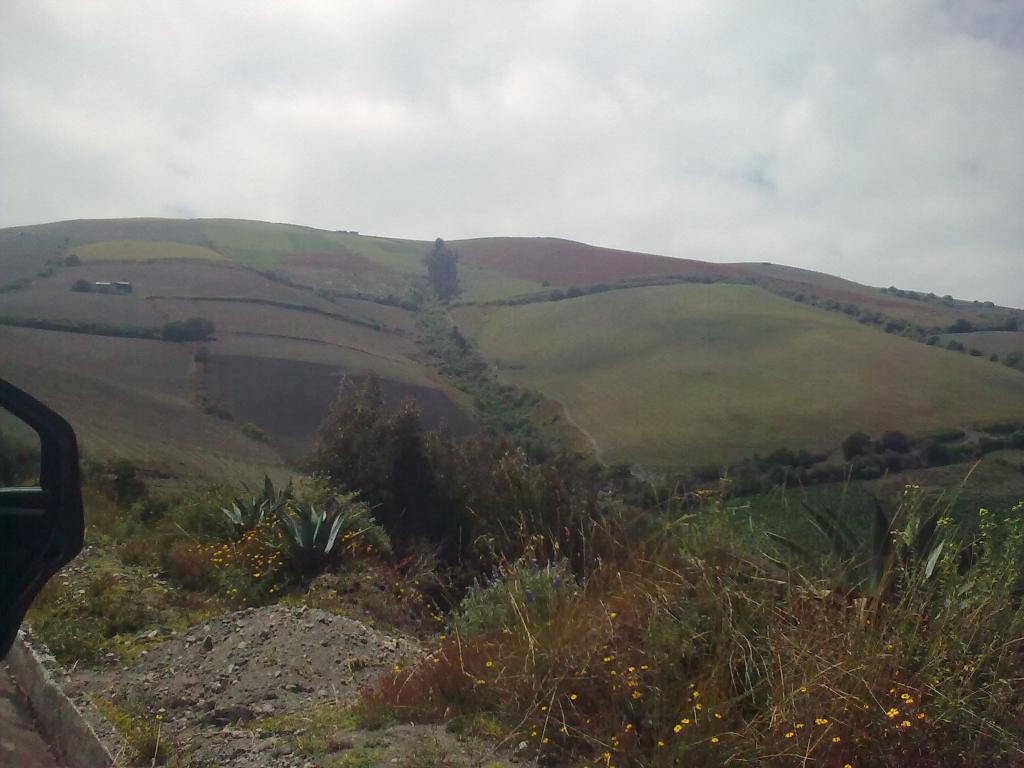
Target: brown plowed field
column 343, row 271
column 242, row 317
column 289, row 398
column 52, row 298
column 564, row 262
column 131, row 398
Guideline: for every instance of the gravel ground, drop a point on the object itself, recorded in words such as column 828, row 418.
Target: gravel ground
column 212, row 685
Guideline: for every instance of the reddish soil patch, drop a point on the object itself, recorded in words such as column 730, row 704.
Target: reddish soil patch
column 563, row 262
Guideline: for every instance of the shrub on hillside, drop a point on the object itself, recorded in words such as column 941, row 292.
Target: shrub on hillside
column 254, row 432
column 481, row 498
column 857, row 444
column 191, row 329
column 899, row 442
column 525, row 588
column 1004, row 427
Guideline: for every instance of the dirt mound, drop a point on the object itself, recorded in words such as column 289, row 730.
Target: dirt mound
column 211, row 685
column 278, row 656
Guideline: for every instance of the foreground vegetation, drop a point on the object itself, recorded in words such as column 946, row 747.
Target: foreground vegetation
column 574, row 627
column 697, row 646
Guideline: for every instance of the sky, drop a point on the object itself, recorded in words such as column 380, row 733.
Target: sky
column 880, row 141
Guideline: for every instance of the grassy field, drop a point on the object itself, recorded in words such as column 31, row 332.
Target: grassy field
column 52, row 297
column 692, row 374
column 995, row 482
column 1002, row 343
column 492, row 268
column 685, row 374
column 264, row 244
column 134, row 399
column 928, row 311
column 143, row 250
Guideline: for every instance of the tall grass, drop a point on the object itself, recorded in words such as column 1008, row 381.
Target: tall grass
column 693, row 646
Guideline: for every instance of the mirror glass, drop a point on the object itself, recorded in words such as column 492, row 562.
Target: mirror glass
column 19, row 452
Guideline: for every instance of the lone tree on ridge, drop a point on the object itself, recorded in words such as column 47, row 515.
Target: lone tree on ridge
column 442, row 270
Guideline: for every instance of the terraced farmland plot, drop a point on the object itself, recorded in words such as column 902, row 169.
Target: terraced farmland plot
column 693, row 374
column 564, row 262
column 265, row 244
column 134, row 399
column 249, row 318
column 53, row 299
column 289, row 398
column 144, row 250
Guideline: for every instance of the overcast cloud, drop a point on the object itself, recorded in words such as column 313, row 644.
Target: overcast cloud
column 882, row 141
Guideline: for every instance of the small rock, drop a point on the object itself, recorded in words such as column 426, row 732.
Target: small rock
column 226, row 715
column 207, row 643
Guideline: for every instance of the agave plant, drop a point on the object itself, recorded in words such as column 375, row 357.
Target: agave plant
column 870, row 567
column 313, row 532
column 247, row 515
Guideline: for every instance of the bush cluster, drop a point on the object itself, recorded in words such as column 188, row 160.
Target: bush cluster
column 190, row 329
column 690, row 647
column 478, row 499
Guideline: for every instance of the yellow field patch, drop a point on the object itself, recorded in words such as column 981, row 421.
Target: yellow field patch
column 143, row 250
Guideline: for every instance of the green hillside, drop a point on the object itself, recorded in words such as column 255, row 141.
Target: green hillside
column 682, row 373
column 1002, row 343
column 693, row 374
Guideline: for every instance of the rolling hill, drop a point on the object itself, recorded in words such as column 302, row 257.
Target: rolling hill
column 648, row 359
column 697, row 374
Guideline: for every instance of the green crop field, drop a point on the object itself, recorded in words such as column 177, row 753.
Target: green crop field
column 143, row 250
column 263, row 244
column 691, row 374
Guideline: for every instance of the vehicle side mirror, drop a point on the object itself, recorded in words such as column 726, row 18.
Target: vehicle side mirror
column 42, row 526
